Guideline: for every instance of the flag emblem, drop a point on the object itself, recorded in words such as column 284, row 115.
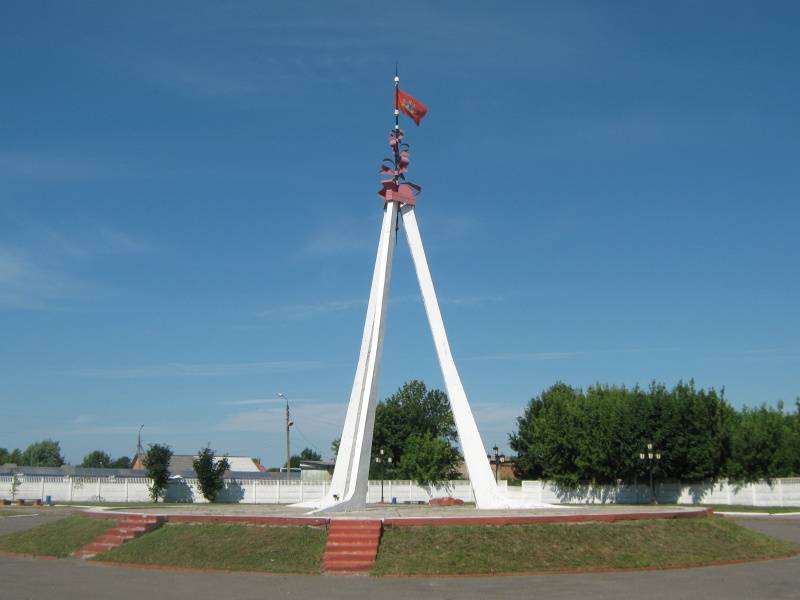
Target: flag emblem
column 410, row 106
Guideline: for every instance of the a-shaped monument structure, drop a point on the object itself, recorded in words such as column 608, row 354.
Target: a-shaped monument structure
column 348, row 490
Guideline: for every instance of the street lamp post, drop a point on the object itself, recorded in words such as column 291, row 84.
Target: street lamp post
column 649, row 458
column 496, row 451
column 382, row 468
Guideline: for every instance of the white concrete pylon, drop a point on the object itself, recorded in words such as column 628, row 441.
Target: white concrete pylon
column 348, row 490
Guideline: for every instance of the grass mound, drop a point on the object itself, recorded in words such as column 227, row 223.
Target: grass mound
column 226, row 546
column 554, row 547
column 55, row 539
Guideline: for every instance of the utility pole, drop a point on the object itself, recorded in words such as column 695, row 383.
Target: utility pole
column 288, row 425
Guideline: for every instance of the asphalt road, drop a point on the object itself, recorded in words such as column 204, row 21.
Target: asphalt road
column 17, row 519
column 71, row 579
column 75, row 580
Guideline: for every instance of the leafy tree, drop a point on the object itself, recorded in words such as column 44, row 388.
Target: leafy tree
column 96, row 459
column 210, row 473
column 335, row 447
column 123, row 462
column 4, row 454
column 413, row 418
column 547, row 438
column 571, row 436
column 305, row 454
column 156, row 462
column 46, row 453
column 428, row 459
column 765, row 443
column 15, row 456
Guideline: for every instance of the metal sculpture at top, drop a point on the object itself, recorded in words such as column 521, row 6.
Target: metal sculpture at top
column 397, row 188
column 349, row 485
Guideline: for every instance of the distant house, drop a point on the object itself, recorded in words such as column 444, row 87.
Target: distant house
column 182, row 464
column 506, row 465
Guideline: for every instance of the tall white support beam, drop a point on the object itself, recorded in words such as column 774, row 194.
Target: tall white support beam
column 348, row 490
column 480, row 473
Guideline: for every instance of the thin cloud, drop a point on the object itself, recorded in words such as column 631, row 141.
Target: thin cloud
column 324, row 419
column 108, row 430
column 37, row 275
column 310, row 310
column 524, row 356
column 197, row 80
column 200, row 370
column 26, row 285
column 57, row 169
column 332, row 306
column 256, row 401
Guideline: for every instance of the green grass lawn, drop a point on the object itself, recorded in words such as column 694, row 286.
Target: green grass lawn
column 55, row 539
column 227, row 546
column 554, row 547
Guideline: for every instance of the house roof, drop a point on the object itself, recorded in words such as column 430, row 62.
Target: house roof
column 183, row 464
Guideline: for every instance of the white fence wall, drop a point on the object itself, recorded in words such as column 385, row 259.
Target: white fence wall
column 782, row 492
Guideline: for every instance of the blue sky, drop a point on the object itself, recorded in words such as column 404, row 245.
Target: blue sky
column 188, row 216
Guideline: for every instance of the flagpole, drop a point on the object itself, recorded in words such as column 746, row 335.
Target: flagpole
column 396, row 122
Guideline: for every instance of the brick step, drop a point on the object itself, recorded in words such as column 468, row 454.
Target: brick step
column 98, row 547
column 368, row 556
column 138, row 525
column 127, row 529
column 350, row 545
column 356, row 525
column 113, row 538
column 347, row 566
column 133, row 530
column 354, row 537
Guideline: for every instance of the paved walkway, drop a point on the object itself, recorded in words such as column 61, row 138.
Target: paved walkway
column 393, row 511
column 76, row 580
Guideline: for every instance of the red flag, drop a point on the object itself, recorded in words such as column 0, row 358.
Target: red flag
column 410, row 106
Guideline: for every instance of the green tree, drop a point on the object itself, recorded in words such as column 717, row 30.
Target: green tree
column 547, row 439
column 408, row 419
column 335, row 447
column 123, row 462
column 571, row 436
column 428, row 459
column 210, row 473
column 765, row 443
column 15, row 456
column 156, row 462
column 305, row 454
column 46, row 453
column 96, row 459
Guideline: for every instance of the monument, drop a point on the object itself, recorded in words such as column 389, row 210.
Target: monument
column 348, row 489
